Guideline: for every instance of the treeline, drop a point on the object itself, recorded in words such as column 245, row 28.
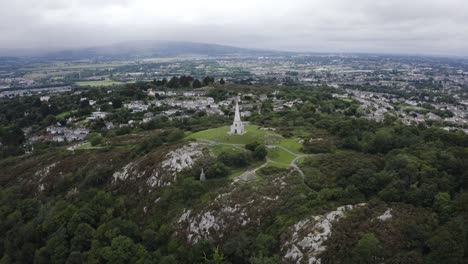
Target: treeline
column 186, row 82
column 419, row 172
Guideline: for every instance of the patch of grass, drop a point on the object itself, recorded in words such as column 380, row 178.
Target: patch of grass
column 221, row 135
column 291, row 144
column 63, row 115
column 253, row 133
column 85, row 146
column 411, row 107
column 106, row 82
column 300, row 161
column 62, row 65
column 218, row 149
column 280, row 155
column 278, row 165
column 236, row 173
column 239, row 171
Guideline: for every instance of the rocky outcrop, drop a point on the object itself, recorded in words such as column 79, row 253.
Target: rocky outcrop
column 43, row 174
column 240, row 206
column 387, row 215
column 306, row 239
column 161, row 170
column 124, row 173
column 182, row 158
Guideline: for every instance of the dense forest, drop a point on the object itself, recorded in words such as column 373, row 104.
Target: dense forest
column 83, row 216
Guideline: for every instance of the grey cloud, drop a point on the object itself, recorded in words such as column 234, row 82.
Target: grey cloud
column 397, row 26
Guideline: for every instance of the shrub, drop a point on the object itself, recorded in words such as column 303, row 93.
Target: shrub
column 234, row 159
column 252, row 146
column 217, row 170
column 260, row 152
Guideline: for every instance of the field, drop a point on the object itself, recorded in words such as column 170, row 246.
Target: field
column 106, row 82
column 221, row 135
column 62, row 65
column 413, row 108
column 218, row 149
column 280, row 155
column 63, row 115
column 281, row 151
column 347, row 100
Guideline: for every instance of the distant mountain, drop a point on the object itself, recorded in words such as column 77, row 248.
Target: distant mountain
column 145, row 49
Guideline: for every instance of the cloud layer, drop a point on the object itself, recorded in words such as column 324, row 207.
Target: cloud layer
column 394, row 26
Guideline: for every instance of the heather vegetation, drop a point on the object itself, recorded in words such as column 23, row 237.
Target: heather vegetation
column 99, row 204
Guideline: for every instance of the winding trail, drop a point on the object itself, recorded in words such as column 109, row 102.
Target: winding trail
column 241, row 146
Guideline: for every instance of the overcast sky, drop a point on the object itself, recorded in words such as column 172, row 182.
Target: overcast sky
column 393, row 26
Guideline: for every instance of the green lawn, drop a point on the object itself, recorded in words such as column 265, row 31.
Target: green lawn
column 239, row 171
column 411, row 107
column 106, row 82
column 291, row 144
column 300, row 160
column 280, row 155
column 63, row 115
column 278, row 165
column 221, row 135
column 218, row 149
column 85, row 146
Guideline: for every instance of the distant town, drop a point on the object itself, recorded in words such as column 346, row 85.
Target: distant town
column 428, row 90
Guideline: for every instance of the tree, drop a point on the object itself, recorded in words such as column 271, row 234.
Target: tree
column 218, row 256
column 116, row 103
column 442, row 205
column 233, row 159
column 260, row 152
column 122, row 250
column 265, row 244
column 169, row 260
column 208, row 80
column 50, row 120
column 222, row 81
column 173, row 83
column 175, row 135
column 196, row 84
column 217, row 170
column 237, row 248
column 264, row 260
column 75, row 257
column 95, row 139
column 367, row 249
column 13, row 136
column 82, row 240
column 84, row 104
column 252, row 146
column 447, row 246
column 383, row 141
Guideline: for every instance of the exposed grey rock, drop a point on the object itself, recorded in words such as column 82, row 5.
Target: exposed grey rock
column 308, row 236
column 386, row 215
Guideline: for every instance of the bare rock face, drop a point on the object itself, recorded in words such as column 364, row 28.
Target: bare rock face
column 240, row 206
column 42, row 174
column 158, row 171
column 387, row 215
column 306, row 238
column 182, row 158
column 124, row 173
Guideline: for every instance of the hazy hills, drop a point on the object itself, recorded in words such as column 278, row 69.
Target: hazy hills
column 139, row 49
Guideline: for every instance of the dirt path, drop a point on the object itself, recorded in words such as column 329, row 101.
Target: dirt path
column 241, row 146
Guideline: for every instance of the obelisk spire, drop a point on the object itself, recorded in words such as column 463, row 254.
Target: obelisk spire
column 237, row 114
column 237, row 127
